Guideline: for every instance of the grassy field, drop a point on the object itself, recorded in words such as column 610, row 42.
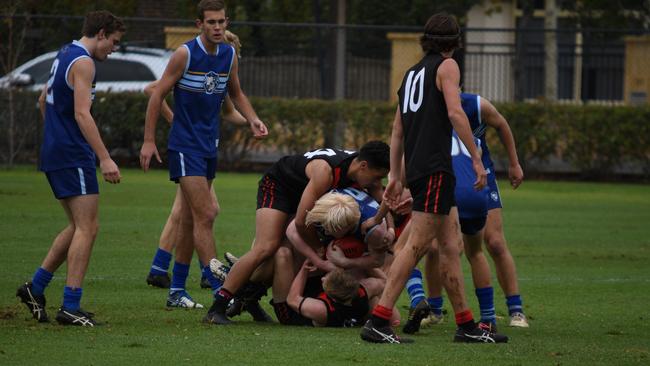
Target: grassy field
column 582, row 252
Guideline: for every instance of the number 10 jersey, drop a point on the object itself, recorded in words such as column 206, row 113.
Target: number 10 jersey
column 425, row 122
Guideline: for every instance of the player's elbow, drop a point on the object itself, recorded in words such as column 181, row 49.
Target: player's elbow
column 81, row 116
column 454, row 115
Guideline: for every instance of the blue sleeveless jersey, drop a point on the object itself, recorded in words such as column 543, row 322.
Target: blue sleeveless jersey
column 472, row 106
column 367, row 206
column 471, row 203
column 63, row 144
column 198, row 96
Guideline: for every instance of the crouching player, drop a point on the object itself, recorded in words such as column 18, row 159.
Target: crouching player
column 344, row 302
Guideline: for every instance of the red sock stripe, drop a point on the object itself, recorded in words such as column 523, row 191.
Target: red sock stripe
column 426, row 201
column 438, row 184
column 225, row 293
column 464, row 317
column 382, row 312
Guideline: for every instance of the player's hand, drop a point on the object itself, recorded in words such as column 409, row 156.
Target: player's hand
column 516, row 175
column 308, row 266
column 392, row 193
column 336, row 255
column 110, row 171
column 259, row 129
column 326, row 266
column 481, row 174
column 369, row 224
column 146, row 152
column 406, row 203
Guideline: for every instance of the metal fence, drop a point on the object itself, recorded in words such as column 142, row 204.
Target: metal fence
column 299, row 60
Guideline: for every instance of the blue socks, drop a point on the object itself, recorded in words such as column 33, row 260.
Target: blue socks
column 514, row 304
column 160, row 264
column 71, row 298
column 414, row 287
column 215, row 284
column 435, row 304
column 40, row 281
column 485, row 298
column 179, row 277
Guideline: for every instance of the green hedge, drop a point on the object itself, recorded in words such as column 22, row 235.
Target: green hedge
column 594, row 140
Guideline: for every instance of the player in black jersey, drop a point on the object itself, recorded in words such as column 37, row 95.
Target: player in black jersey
column 291, row 187
column 429, row 106
column 344, row 302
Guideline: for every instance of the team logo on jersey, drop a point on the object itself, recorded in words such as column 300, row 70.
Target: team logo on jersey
column 210, row 82
column 494, row 195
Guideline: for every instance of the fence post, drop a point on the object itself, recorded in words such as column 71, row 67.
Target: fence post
column 338, row 140
column 550, row 45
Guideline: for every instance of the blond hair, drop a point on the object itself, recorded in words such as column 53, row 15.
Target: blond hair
column 233, row 40
column 341, row 285
column 334, row 212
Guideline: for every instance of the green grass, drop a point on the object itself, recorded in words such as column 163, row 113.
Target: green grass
column 582, row 252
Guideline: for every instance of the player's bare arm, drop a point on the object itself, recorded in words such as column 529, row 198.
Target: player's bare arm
column 243, row 105
column 396, row 175
column 81, row 78
column 447, row 80
column 306, row 306
column 166, row 111
column 231, row 114
column 173, row 73
column 320, row 180
column 41, row 101
column 494, row 119
column 309, row 252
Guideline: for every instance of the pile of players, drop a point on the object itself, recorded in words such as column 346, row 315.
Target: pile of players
column 335, row 246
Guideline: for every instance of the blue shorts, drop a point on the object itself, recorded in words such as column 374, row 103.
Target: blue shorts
column 472, row 208
column 494, row 197
column 472, row 225
column 70, row 182
column 189, row 165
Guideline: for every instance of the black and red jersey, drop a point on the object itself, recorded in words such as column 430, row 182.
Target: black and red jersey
column 290, row 170
column 346, row 315
column 425, row 122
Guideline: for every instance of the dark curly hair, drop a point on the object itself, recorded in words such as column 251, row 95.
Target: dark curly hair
column 441, row 34
column 377, row 154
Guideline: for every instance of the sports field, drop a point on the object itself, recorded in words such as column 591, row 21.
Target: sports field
column 582, row 252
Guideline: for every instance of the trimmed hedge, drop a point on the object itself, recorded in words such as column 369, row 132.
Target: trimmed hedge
column 595, row 140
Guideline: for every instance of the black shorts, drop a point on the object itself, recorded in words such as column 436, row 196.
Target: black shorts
column 434, row 193
column 272, row 194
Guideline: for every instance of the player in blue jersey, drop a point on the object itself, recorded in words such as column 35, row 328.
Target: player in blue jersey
column 158, row 276
column 200, row 72
column 71, row 146
column 482, row 114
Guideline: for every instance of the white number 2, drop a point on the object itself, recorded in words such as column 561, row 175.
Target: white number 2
column 50, row 92
column 413, row 85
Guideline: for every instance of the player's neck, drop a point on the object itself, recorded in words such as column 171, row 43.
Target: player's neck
column 210, row 47
column 90, row 44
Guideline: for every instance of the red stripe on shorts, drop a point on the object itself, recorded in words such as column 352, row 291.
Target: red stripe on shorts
column 265, row 189
column 272, row 194
column 426, row 201
column 435, row 206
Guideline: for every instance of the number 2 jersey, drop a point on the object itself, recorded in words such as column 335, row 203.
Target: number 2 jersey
column 425, row 122
column 64, row 146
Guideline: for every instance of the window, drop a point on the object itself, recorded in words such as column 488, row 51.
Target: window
column 123, row 70
column 40, row 72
